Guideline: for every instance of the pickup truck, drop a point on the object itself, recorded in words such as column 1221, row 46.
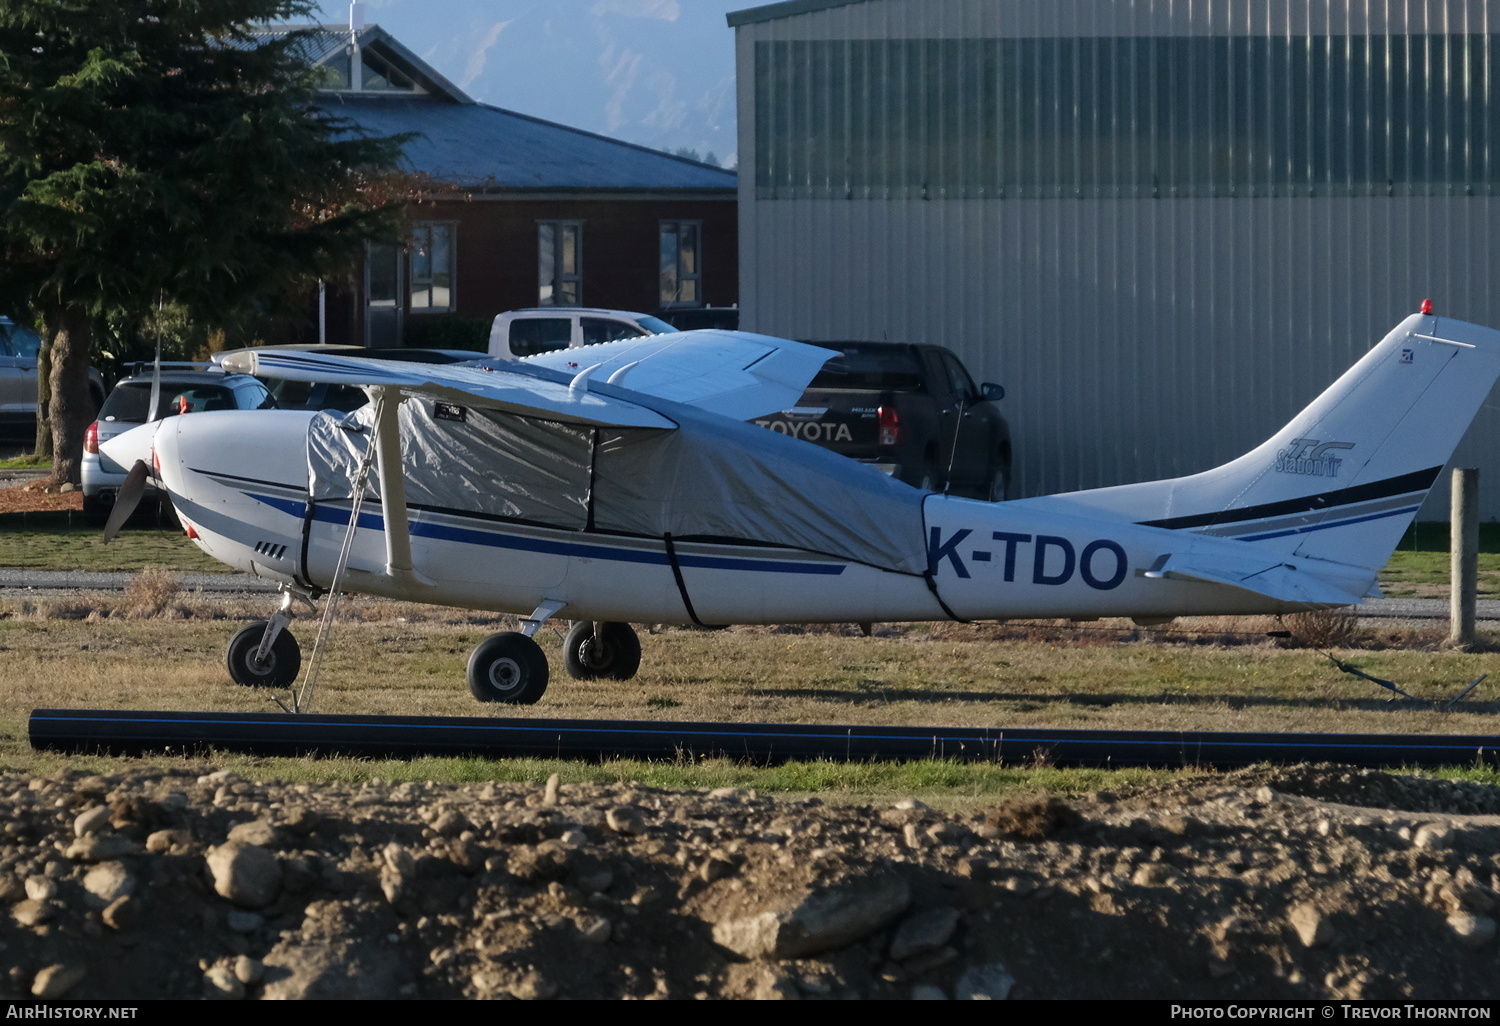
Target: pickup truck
column 911, row 410
column 519, row 333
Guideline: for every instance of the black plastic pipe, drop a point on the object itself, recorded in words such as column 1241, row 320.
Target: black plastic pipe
column 132, row 732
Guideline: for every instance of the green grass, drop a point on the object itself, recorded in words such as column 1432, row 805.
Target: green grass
column 25, row 462
column 385, row 658
column 1419, row 568
column 67, row 541
column 945, row 785
column 1431, row 536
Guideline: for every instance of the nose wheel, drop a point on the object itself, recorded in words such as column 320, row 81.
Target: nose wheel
column 601, row 650
column 277, row 667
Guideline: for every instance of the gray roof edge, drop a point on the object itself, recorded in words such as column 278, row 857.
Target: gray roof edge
column 480, row 191
column 785, row 9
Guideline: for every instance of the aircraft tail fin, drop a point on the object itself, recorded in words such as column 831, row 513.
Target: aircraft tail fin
column 1345, row 477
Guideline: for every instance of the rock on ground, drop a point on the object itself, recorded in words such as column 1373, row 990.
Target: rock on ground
column 1304, row 883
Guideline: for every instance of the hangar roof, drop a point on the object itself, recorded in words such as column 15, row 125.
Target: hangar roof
column 785, row 9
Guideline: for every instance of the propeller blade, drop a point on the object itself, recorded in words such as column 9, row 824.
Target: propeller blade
column 127, row 500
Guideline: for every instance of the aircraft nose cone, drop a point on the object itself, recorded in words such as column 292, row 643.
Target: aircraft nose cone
column 129, row 446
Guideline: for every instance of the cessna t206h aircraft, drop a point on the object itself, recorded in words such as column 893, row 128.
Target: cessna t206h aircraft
column 621, row 483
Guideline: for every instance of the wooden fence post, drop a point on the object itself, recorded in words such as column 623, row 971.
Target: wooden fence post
column 1463, row 548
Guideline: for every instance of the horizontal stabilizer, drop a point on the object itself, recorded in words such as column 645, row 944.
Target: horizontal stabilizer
column 512, row 391
column 734, row 373
column 1294, row 581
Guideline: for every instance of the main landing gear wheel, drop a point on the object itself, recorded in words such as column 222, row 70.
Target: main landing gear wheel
column 614, row 653
column 508, row 667
column 281, row 665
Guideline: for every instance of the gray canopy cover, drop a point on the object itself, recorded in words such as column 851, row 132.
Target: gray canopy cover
column 712, row 478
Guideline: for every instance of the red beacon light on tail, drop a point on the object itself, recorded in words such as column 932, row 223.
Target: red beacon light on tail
column 1426, row 306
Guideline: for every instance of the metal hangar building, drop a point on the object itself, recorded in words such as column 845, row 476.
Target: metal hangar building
column 1163, row 225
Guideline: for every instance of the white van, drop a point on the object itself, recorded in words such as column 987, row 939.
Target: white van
column 518, row 333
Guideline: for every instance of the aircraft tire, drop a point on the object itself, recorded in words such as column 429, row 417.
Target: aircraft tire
column 280, row 668
column 508, row 667
column 614, row 655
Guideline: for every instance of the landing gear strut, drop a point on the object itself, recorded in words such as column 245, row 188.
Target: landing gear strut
column 607, row 650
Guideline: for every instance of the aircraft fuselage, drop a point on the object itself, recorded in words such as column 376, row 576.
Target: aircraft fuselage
column 240, row 480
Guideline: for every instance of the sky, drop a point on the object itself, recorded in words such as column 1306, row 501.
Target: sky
column 658, row 73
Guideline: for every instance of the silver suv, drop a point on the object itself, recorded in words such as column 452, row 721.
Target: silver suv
column 182, row 391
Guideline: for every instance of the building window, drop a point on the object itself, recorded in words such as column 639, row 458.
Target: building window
column 358, row 69
column 432, row 268
column 681, row 267
column 559, row 263
column 380, row 76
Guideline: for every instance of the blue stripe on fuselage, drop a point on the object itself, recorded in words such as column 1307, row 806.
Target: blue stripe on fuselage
column 587, row 550
column 1324, row 527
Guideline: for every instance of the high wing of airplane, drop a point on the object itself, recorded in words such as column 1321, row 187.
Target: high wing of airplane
column 620, row 483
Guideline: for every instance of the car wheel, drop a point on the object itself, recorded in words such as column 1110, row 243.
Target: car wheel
column 928, row 480
column 999, row 486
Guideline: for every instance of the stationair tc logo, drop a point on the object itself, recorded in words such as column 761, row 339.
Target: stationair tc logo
column 1309, row 457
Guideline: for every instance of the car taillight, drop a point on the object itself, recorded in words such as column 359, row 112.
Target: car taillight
column 890, row 425
column 91, row 439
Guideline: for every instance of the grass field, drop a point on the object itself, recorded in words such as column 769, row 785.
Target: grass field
column 1419, row 566
column 68, row 541
column 154, row 648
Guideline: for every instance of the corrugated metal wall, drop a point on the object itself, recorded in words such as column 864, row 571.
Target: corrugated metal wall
column 1167, row 314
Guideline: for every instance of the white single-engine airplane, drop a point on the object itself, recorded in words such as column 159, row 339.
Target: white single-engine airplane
column 621, row 482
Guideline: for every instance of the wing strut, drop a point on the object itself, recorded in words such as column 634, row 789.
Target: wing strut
column 302, row 699
column 398, row 565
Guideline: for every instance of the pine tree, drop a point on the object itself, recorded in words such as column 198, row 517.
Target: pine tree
column 160, row 151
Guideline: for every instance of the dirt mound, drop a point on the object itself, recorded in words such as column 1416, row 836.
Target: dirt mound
column 186, row 882
column 1348, row 786
column 33, row 497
